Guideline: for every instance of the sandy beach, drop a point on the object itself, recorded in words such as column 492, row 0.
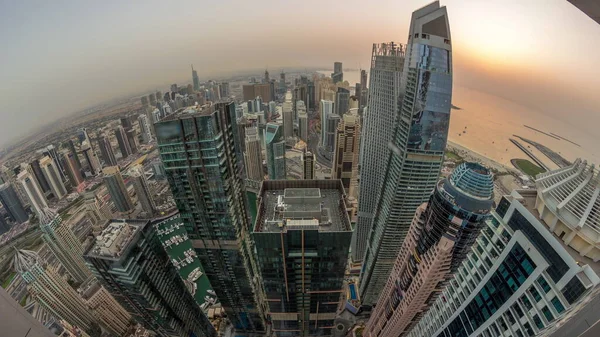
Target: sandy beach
column 470, row 155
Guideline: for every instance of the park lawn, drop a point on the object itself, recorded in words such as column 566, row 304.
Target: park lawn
column 452, row 155
column 528, row 167
column 8, row 280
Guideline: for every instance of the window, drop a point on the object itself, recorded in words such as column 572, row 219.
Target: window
column 535, row 294
column 528, row 329
column 526, row 302
column 502, row 207
column 558, row 267
column 557, row 304
column 548, row 314
column 573, row 290
column 511, row 318
column 517, row 310
column 538, row 322
column 544, row 284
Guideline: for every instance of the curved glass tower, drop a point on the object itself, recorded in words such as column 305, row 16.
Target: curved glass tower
column 440, row 236
column 417, row 146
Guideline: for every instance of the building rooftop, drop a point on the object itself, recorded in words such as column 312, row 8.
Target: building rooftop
column 115, row 239
column 527, row 198
column 302, row 204
column 195, row 110
column 572, row 193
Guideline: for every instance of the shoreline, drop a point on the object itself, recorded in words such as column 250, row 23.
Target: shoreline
column 472, row 155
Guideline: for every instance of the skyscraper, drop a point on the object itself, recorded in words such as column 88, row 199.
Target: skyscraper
column 251, row 91
column 224, row 88
column 417, row 148
column 132, row 265
column 379, row 119
column 288, row 119
column 195, row 79
column 132, row 139
column 346, row 154
column 117, row 189
column 302, row 235
column 50, row 171
column 308, row 166
column 518, row 279
column 438, row 241
column 12, row 204
column 331, row 126
column 282, row 84
column 145, row 129
column 362, row 95
column 52, row 152
column 140, row 184
column 216, row 218
column 72, row 167
column 124, row 146
column 106, row 150
column 144, row 100
column 326, row 111
column 342, row 100
column 73, row 149
column 338, row 74
column 106, row 309
column 303, row 125
column 34, row 192
column 52, row 292
column 35, row 169
column 63, row 243
column 252, row 155
column 275, row 151
column 90, row 157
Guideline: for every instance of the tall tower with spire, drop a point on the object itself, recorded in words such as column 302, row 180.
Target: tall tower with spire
column 195, row 79
column 51, row 291
column 64, row 244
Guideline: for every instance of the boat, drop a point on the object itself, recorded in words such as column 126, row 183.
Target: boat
column 194, row 275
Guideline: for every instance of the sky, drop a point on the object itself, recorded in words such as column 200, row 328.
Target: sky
column 59, row 57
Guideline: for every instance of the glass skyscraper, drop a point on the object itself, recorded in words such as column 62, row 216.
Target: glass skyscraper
column 418, row 144
column 199, row 156
column 275, row 151
column 378, row 122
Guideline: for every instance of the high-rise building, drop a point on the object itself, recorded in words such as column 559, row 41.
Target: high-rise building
column 275, row 151
column 252, row 155
column 195, row 79
column 518, row 279
column 123, row 141
column 117, row 189
column 144, row 100
column 379, row 119
column 34, row 193
column 224, row 88
column 106, row 309
column 106, row 150
column 145, row 129
column 132, row 140
column 16, row 321
column 52, row 152
column 438, row 241
column 346, row 152
column 50, row 171
column 251, row 91
column 362, row 95
column 331, row 126
column 63, row 243
column 326, row 111
column 126, row 122
column 51, row 291
column 140, row 184
column 216, row 218
column 267, row 79
column 282, row 84
column 72, row 167
column 12, row 204
column 35, row 169
column 73, row 149
column 342, row 100
column 308, row 166
column 417, row 148
column 91, row 158
column 132, row 265
column 4, row 226
column 338, row 74
column 302, row 235
column 303, row 125
column 152, row 99
column 288, row 119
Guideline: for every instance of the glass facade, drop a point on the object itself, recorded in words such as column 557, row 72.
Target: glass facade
column 573, row 290
column 505, row 281
column 199, row 155
column 558, row 267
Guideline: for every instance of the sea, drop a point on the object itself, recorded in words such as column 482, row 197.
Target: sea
column 485, row 123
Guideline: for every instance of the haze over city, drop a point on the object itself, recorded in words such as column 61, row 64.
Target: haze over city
column 61, row 57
